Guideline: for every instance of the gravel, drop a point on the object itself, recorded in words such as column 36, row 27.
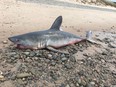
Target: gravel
column 41, row 68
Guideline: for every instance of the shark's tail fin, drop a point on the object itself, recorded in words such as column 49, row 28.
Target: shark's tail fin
column 89, row 37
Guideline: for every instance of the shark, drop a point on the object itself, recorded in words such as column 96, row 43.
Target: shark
column 51, row 39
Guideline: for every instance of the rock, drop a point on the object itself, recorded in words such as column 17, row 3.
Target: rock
column 81, row 73
column 67, row 85
column 20, row 81
column 27, row 53
column 83, row 83
column 23, row 75
column 77, row 85
column 5, row 42
column 49, row 56
column 103, row 61
column 32, row 54
column 62, row 85
column 92, row 83
column 53, row 63
column 53, row 75
column 12, row 53
column 68, row 66
column 104, row 53
column 2, row 78
column 64, row 59
column 113, row 45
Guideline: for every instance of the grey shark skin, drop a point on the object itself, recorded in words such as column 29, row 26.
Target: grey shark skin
column 50, row 39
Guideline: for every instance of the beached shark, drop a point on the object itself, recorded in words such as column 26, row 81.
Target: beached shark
column 51, row 39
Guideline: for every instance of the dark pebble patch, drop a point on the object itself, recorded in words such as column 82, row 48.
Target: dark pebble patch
column 43, row 68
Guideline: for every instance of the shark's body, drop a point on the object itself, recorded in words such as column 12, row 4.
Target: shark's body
column 51, row 38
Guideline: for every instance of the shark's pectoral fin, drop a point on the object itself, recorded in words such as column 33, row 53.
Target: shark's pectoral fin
column 54, row 50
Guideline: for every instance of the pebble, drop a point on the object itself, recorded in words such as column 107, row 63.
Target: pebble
column 2, row 78
column 49, row 56
column 67, row 85
column 113, row 45
column 92, row 83
column 5, row 42
column 104, row 53
column 62, row 85
column 26, row 53
column 32, row 54
column 68, row 66
column 64, row 59
column 103, row 61
column 53, row 63
column 65, row 68
column 23, row 75
column 20, row 81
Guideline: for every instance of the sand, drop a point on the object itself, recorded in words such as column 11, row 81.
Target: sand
column 18, row 17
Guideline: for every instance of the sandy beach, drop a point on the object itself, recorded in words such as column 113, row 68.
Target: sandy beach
column 20, row 17
column 93, row 63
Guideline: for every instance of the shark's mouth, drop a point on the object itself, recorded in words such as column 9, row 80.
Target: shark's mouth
column 21, row 46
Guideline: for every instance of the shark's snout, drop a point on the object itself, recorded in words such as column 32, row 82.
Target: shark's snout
column 10, row 39
column 13, row 39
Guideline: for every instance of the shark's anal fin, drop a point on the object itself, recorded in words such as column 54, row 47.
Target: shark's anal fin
column 57, row 23
column 54, row 50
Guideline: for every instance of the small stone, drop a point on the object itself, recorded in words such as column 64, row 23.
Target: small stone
column 54, row 76
column 26, row 53
column 92, row 83
column 113, row 45
column 23, row 75
column 83, row 82
column 114, row 72
column 73, row 59
column 64, row 59
column 36, row 58
column 32, row 54
column 49, row 56
column 89, row 58
column 77, row 85
column 79, row 81
column 2, row 78
column 62, row 85
column 89, row 85
column 85, row 54
column 53, row 63
column 68, row 66
column 23, row 79
column 81, row 73
column 104, row 53
column 67, row 85
column 5, row 42
column 12, row 53
column 20, row 81
column 103, row 61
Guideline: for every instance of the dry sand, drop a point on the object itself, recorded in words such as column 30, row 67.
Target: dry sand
column 20, row 17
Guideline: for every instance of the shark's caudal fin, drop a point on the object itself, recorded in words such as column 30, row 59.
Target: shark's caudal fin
column 57, row 23
column 89, row 37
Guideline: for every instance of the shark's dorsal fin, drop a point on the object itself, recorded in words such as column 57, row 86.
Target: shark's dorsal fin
column 57, row 23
